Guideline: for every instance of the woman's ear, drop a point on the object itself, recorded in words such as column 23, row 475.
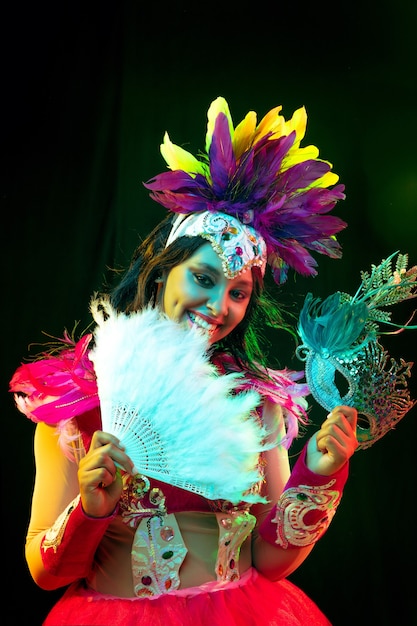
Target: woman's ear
column 159, row 296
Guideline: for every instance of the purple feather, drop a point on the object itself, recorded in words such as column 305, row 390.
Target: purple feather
column 171, row 181
column 304, row 174
column 222, row 158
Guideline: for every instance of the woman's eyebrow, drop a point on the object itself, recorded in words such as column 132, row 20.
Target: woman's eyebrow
column 210, row 268
column 243, row 282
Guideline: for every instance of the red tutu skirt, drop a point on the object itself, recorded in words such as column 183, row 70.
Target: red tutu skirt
column 251, row 601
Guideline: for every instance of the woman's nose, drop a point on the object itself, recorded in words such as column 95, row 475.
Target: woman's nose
column 217, row 303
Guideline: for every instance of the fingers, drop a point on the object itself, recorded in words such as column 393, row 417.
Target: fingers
column 347, row 412
column 338, row 433
column 109, row 452
column 106, row 477
column 335, row 442
column 99, row 474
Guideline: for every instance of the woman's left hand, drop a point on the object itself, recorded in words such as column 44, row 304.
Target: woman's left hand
column 335, row 442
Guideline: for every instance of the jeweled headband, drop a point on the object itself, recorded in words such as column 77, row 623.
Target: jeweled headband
column 238, row 246
column 270, row 187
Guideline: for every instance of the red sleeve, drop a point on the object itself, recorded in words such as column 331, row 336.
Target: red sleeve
column 306, row 507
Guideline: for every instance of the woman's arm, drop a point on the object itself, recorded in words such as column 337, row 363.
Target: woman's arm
column 56, row 485
column 288, row 528
column 67, row 522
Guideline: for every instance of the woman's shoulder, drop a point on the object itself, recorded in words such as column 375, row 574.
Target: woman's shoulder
column 271, row 383
column 284, row 388
column 57, row 386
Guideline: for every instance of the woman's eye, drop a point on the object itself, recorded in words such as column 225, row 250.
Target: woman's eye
column 204, row 280
column 238, row 295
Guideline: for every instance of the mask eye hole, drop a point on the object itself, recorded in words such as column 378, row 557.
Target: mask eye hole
column 363, row 422
column 341, row 383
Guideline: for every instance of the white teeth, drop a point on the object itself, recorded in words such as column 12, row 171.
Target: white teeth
column 201, row 323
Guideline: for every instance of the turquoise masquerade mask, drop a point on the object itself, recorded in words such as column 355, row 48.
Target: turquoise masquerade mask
column 340, row 344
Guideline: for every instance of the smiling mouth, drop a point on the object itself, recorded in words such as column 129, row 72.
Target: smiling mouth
column 201, row 324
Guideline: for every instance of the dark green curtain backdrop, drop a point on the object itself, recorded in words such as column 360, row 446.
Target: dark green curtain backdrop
column 87, row 94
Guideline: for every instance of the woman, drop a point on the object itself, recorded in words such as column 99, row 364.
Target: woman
column 210, row 542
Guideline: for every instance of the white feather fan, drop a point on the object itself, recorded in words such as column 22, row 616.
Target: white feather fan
column 179, row 420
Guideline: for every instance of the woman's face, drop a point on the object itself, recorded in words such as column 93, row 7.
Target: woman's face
column 197, row 293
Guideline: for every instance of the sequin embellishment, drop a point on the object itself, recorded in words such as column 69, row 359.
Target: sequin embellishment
column 234, row 527
column 158, row 548
column 54, row 535
column 293, row 507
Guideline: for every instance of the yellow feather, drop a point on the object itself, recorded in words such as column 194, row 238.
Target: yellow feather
column 298, row 155
column 219, row 105
column 271, row 122
column 326, row 181
column 179, row 159
column 298, row 122
column 244, row 134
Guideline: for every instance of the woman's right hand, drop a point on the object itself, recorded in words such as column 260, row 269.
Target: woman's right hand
column 99, row 474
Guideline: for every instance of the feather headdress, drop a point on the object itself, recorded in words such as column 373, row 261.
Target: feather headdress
column 341, row 335
column 259, row 174
column 191, row 430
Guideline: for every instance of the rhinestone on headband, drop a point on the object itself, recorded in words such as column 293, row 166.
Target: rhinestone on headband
column 238, row 245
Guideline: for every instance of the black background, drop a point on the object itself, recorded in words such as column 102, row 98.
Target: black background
column 88, row 90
